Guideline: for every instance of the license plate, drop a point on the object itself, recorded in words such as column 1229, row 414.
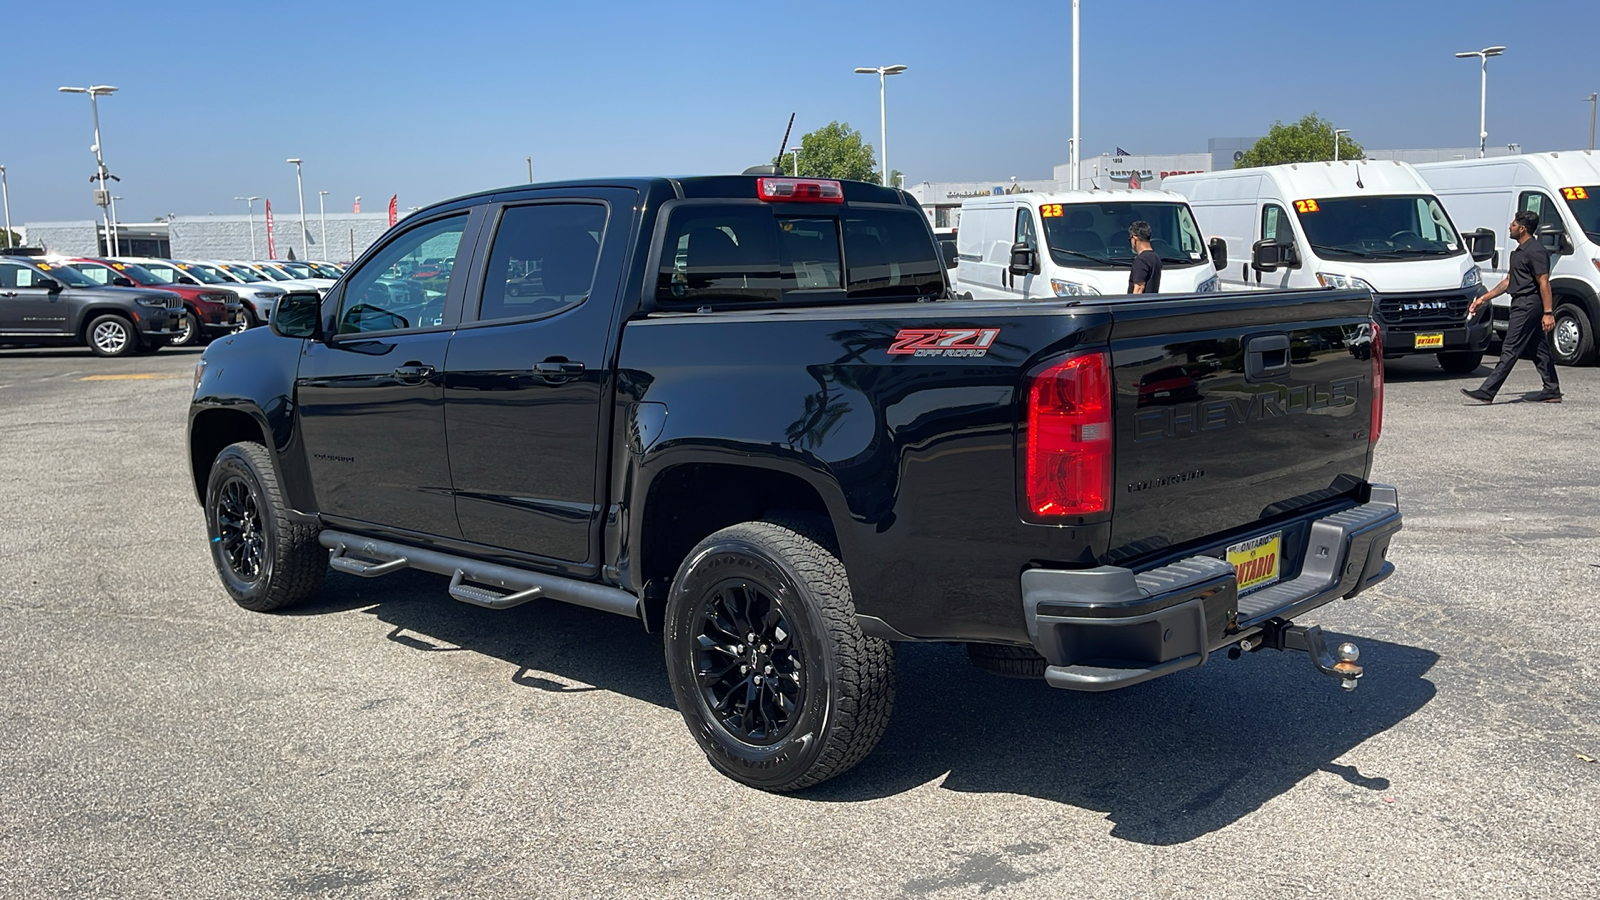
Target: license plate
column 1257, row 560
column 1429, row 341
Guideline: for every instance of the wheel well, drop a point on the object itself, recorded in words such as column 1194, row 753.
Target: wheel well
column 688, row 502
column 1577, row 293
column 91, row 315
column 213, row 430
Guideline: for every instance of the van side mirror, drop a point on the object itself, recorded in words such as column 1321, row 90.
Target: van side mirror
column 1219, row 253
column 1272, row 254
column 1480, row 244
column 298, row 315
column 122, row 281
column 1024, row 260
column 1554, row 238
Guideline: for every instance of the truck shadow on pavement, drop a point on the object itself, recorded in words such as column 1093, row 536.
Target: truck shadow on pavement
column 1166, row 762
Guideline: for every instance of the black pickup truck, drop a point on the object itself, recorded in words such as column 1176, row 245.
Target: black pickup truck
column 747, row 412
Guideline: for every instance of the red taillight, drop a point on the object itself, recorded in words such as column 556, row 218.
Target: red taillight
column 1069, row 438
column 800, row 190
column 1376, row 430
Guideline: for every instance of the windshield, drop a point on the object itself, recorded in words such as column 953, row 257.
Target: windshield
column 201, row 274
column 68, row 276
column 1585, row 205
column 299, row 270
column 164, row 273
column 247, row 273
column 140, row 274
column 327, row 270
column 1096, row 234
column 1380, row 228
column 271, row 274
column 222, row 275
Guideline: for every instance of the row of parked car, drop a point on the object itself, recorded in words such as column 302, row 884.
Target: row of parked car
column 125, row 305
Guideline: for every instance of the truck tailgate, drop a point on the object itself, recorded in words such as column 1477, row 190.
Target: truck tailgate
column 1234, row 408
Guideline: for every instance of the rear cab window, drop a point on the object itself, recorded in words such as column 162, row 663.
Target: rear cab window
column 728, row 254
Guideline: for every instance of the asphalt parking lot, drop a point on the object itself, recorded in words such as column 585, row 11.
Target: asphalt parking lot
column 385, row 741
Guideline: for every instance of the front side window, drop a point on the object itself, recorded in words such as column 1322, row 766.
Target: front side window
column 1275, row 224
column 66, row 275
column 751, row 253
column 543, row 260
column 11, row 274
column 1023, row 234
column 1096, row 234
column 1385, row 228
column 383, row 295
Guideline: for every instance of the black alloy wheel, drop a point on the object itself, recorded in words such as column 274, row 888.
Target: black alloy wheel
column 266, row 560
column 748, row 663
column 241, row 540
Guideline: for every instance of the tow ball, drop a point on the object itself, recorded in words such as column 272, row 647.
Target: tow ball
column 1278, row 634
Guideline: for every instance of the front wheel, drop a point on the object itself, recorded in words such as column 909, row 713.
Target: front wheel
column 266, row 561
column 1573, row 337
column 1461, row 362
column 770, row 670
column 112, row 335
column 191, row 332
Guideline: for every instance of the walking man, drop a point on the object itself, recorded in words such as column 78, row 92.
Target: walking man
column 1145, row 278
column 1528, row 283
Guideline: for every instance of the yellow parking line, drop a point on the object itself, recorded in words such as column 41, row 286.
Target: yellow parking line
column 141, row 376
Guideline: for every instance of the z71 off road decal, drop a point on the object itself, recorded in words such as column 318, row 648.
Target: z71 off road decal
column 943, row 341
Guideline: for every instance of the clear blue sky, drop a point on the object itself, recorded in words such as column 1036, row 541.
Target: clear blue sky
column 432, row 100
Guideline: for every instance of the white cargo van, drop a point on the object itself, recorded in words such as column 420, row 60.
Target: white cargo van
column 1564, row 190
column 1038, row 246
column 1361, row 224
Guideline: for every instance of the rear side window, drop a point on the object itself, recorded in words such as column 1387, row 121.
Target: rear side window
column 543, row 260
column 754, row 254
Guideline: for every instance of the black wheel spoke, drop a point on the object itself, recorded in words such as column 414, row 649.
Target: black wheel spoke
column 747, row 663
column 239, row 530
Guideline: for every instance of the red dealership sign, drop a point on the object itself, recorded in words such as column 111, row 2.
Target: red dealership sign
column 272, row 248
column 394, row 207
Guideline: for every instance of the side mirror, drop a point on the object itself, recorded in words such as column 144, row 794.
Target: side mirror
column 122, row 281
column 184, row 279
column 298, row 315
column 1480, row 244
column 1272, row 254
column 1554, row 238
column 1219, row 253
column 49, row 284
column 1024, row 260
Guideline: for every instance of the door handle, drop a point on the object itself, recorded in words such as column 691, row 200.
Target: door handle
column 556, row 371
column 413, row 373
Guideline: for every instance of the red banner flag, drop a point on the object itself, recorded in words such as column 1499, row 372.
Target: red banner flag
column 394, row 209
column 272, row 248
column 358, row 205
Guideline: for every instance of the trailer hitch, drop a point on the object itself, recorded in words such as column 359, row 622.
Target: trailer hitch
column 1280, row 634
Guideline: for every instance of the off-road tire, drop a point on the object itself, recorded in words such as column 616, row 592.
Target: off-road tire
column 846, row 679
column 1007, row 661
column 1461, row 362
column 291, row 564
column 99, row 336
column 1577, row 332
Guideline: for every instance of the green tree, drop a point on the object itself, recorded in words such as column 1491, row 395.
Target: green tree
column 10, row 238
column 833, row 151
column 1308, row 140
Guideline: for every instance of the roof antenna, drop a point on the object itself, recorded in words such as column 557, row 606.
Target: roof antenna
column 1358, row 176
column 777, row 169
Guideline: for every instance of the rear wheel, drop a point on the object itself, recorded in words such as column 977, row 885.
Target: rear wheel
column 112, row 335
column 266, row 561
column 1573, row 337
column 1461, row 362
column 770, row 670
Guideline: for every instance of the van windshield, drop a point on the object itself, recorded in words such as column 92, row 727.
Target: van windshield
column 1585, row 205
column 1096, row 234
column 1378, row 228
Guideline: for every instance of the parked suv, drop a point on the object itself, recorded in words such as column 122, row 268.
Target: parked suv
column 258, row 295
column 206, row 312
column 44, row 303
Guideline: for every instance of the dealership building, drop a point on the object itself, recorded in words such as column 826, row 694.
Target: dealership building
column 216, row 237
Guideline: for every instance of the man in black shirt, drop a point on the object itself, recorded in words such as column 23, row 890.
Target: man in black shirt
column 1528, row 282
column 1146, row 275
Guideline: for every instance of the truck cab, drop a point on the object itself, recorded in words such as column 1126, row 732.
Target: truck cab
column 1075, row 244
column 1373, row 225
column 1563, row 189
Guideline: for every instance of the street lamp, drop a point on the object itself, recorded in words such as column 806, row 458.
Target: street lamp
column 1593, row 98
column 794, row 153
column 322, row 213
column 883, row 73
column 1075, row 148
column 249, row 205
column 108, row 208
column 5, row 192
column 305, row 236
column 1336, row 133
column 1483, row 92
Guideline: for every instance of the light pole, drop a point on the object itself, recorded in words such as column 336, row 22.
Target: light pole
column 530, row 170
column 883, row 73
column 1483, row 92
column 1075, row 149
column 322, row 213
column 108, row 208
column 5, row 192
column 794, row 153
column 1336, row 133
column 249, row 205
column 1593, row 98
column 305, row 236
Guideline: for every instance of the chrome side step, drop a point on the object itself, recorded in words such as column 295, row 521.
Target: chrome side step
column 372, row 558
